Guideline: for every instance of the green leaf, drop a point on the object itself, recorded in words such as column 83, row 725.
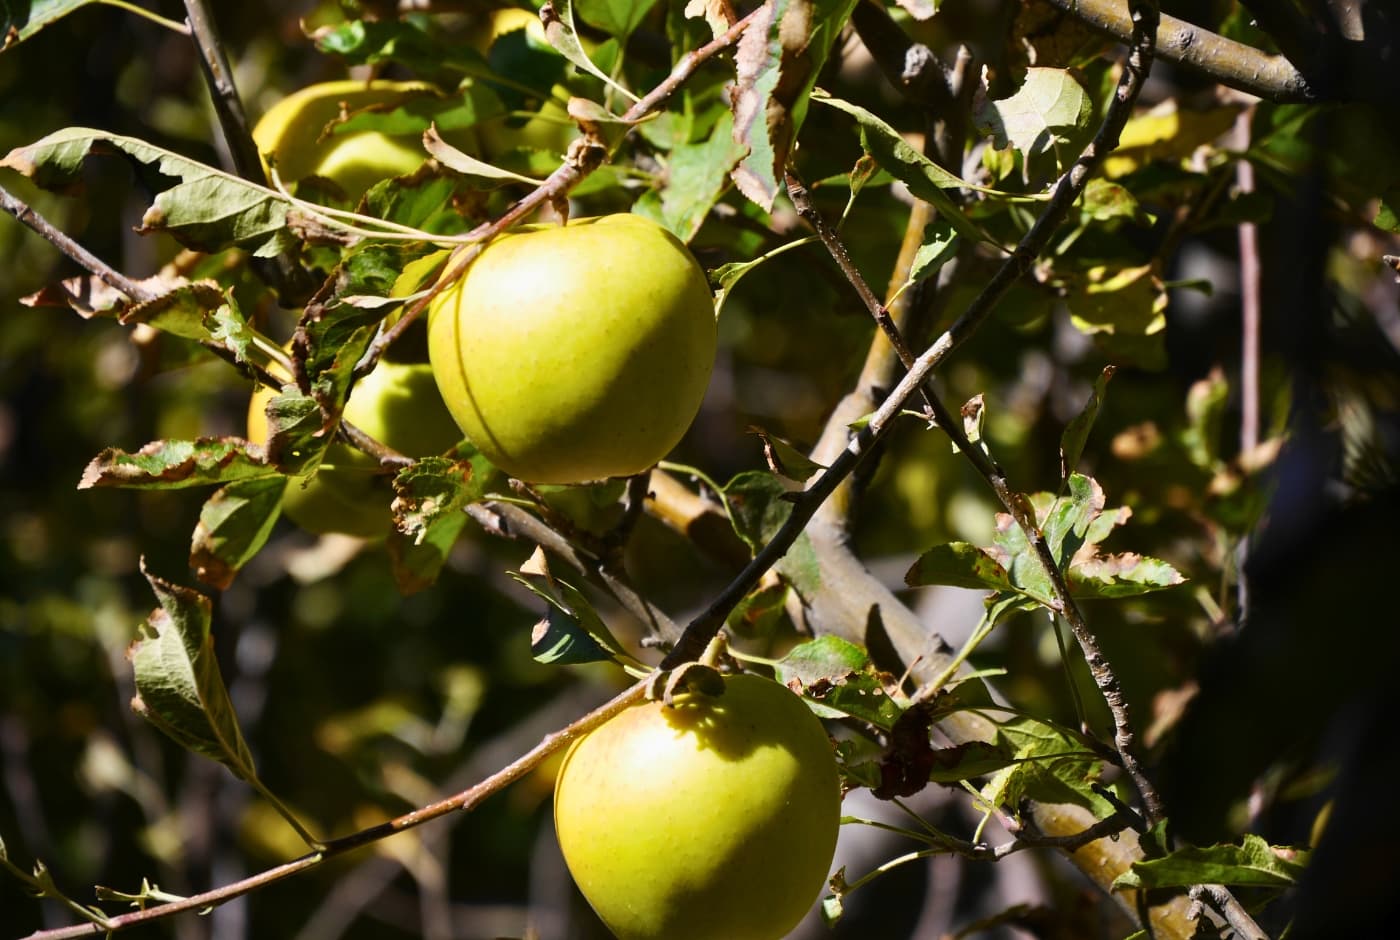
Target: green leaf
column 827, row 657
column 1073, row 527
column 1122, row 575
column 940, row 245
column 1049, row 112
column 1104, row 201
column 207, row 210
column 959, row 564
column 1167, row 133
column 1076, row 433
column 417, row 561
column 759, row 612
column 784, row 459
column 617, row 17
column 925, row 179
column 1206, row 402
column 697, row 175
column 197, row 310
column 726, row 276
column 429, row 505
column 1124, row 309
column 21, row 19
column 1388, row 210
column 571, row 632
column 407, row 42
column 968, row 760
column 179, row 688
column 166, row 465
column 1051, row 765
column 296, row 432
column 860, row 695
column 1252, row 864
column 563, row 36
column 776, row 65
column 757, row 507
column 434, row 489
column 234, row 524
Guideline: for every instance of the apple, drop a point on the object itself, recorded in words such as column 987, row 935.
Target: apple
column 712, row 817
column 397, row 404
column 575, row 353
column 295, row 132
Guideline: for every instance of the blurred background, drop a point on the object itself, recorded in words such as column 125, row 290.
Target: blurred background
column 361, row 703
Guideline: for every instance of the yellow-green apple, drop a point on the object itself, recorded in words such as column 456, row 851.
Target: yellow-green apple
column 712, row 817
column 575, row 353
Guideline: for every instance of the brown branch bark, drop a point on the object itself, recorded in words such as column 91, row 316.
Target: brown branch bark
column 1231, row 63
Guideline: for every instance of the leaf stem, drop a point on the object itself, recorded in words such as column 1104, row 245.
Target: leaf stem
column 182, row 28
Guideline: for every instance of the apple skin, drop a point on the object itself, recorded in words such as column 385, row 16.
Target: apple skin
column 575, row 353
column 716, row 817
column 397, row 404
column 291, row 132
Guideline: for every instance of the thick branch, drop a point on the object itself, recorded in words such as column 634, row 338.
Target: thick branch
column 1231, row 63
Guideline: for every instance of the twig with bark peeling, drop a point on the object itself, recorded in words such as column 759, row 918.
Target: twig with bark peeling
column 466, row 800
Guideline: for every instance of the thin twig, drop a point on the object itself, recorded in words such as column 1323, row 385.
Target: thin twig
column 1234, row 913
column 218, row 75
column 466, row 800
column 90, row 262
column 292, row 280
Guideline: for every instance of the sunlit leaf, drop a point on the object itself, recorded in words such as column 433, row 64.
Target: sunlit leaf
column 179, row 687
column 1254, row 863
column 958, row 564
column 697, row 176
column 827, row 657
column 1166, row 133
column 234, row 523
column 207, row 209
column 21, row 19
column 165, row 465
column 776, row 65
column 563, row 36
column 1050, row 112
column 467, row 165
column 1051, row 765
column 925, row 179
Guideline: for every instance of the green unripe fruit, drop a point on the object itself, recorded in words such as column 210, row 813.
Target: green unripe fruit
column 712, row 818
column 294, row 133
column 574, row 353
column 397, row 404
